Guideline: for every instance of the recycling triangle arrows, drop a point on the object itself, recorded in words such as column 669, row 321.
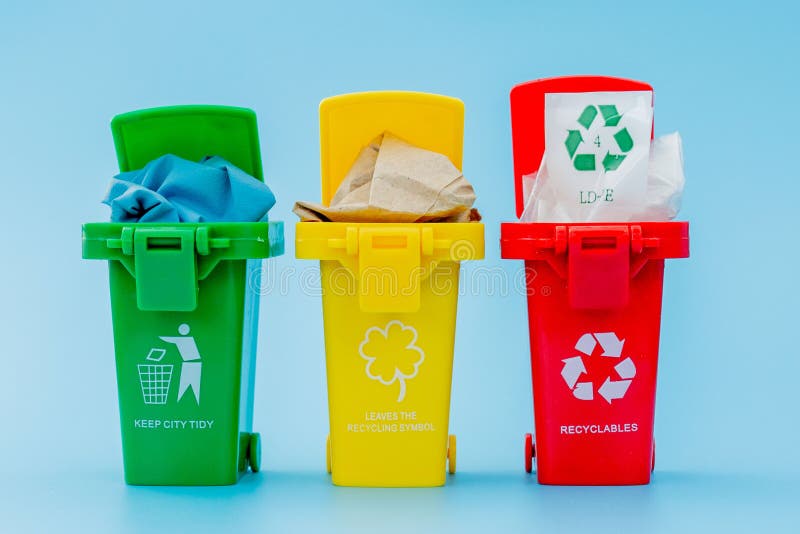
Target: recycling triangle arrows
column 611, row 344
column 622, row 138
column 611, row 390
column 611, row 347
column 573, row 369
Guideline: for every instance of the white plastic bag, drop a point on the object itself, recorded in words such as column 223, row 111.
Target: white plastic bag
column 665, row 180
column 599, row 164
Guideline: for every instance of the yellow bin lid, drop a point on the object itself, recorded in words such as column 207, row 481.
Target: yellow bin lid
column 349, row 122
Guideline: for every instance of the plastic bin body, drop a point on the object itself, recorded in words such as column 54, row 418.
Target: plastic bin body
column 594, row 310
column 184, row 315
column 605, row 439
column 389, row 299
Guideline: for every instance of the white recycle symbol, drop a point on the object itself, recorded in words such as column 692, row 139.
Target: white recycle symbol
column 612, row 348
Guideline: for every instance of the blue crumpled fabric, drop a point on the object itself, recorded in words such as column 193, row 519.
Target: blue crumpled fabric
column 172, row 189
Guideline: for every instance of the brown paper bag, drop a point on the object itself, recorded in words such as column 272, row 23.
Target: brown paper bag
column 394, row 181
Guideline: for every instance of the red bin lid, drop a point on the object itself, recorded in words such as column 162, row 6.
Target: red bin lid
column 527, row 117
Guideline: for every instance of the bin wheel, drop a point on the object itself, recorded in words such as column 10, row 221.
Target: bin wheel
column 254, row 452
column 530, row 453
column 451, row 454
column 328, row 454
column 653, row 461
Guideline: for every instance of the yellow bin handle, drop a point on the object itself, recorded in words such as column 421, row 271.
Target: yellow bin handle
column 388, row 260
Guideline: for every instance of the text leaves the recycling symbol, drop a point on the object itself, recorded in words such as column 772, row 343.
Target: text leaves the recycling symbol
column 583, row 161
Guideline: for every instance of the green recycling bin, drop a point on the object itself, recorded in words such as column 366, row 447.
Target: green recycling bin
column 185, row 309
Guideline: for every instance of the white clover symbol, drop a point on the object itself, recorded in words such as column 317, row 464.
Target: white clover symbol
column 391, row 354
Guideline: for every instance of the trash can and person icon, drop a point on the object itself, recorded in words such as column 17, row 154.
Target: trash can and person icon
column 156, row 378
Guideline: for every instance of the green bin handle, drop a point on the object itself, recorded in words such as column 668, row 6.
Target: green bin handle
column 168, row 260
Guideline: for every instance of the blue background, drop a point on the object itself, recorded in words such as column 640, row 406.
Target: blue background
column 727, row 413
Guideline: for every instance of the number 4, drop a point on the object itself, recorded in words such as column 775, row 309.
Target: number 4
column 597, row 141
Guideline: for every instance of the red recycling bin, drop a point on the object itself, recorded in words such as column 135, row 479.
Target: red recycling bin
column 594, row 310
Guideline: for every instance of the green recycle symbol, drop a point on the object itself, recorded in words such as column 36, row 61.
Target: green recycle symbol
column 611, row 118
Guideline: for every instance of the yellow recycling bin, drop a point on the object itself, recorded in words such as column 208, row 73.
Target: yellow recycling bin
column 389, row 297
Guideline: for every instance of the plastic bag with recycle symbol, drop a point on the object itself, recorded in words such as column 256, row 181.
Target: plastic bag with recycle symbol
column 600, row 165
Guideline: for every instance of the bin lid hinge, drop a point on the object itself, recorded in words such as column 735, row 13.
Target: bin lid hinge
column 389, row 267
column 164, row 264
column 599, row 263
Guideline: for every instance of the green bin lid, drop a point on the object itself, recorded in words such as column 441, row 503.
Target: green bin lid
column 190, row 132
